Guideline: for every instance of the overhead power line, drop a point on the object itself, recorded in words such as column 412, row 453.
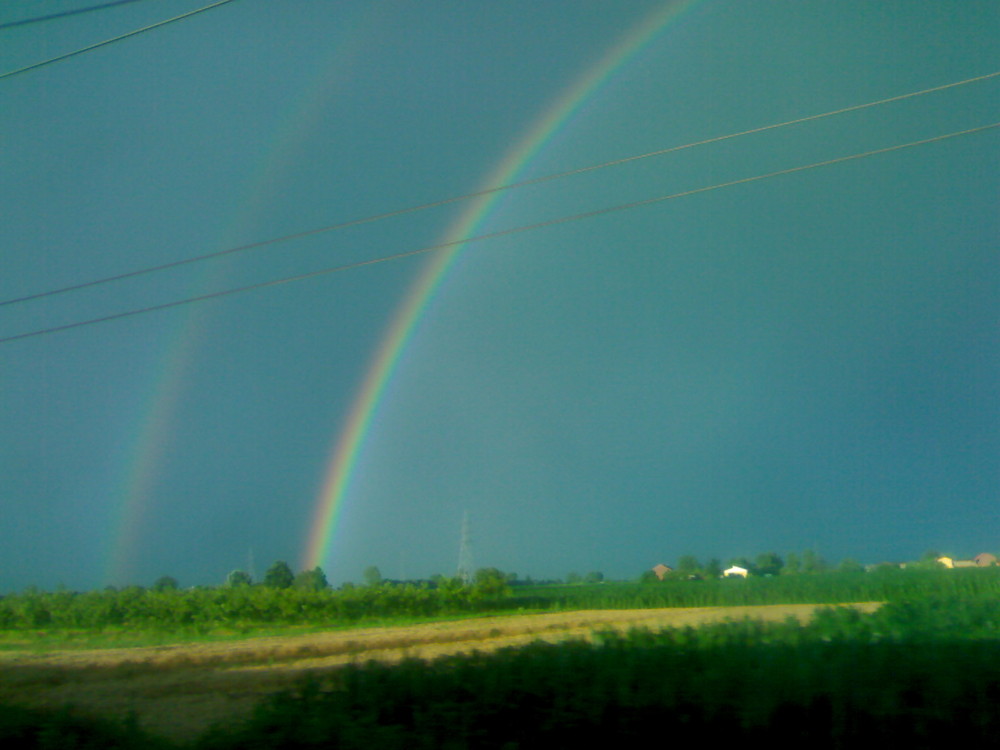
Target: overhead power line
column 106, row 42
column 63, row 14
column 487, row 191
column 493, row 235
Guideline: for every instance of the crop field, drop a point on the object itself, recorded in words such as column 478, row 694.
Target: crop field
column 180, row 691
column 916, row 663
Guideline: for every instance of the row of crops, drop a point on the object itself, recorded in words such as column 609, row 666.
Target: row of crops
column 234, row 607
column 915, row 674
column 249, row 606
column 882, row 584
column 922, row 673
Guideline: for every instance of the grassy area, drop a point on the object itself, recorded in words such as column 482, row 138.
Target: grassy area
column 137, row 617
column 47, row 640
column 922, row 673
column 41, row 641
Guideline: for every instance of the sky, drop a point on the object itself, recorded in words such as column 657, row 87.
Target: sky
column 809, row 360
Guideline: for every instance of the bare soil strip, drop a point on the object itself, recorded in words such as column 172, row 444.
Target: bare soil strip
column 179, row 691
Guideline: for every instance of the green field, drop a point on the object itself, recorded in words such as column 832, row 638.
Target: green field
column 915, row 675
column 884, row 584
column 244, row 609
column 921, row 671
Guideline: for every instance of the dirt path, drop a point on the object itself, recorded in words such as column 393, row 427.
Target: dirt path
column 179, row 691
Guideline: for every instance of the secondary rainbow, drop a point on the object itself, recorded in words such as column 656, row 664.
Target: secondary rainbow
column 351, row 439
column 153, row 428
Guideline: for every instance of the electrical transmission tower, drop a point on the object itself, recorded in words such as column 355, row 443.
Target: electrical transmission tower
column 465, row 552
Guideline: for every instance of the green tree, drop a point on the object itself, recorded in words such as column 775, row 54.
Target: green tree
column 312, row 580
column 279, row 576
column 372, row 575
column 238, row 578
column 713, row 568
column 490, row 583
column 793, row 564
column 594, row 576
column 769, row 564
column 573, row 577
column 812, row 562
column 165, row 583
column 850, row 565
column 688, row 565
column 450, row 584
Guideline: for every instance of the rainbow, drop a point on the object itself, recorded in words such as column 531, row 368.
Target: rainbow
column 152, row 431
column 147, row 445
column 351, row 439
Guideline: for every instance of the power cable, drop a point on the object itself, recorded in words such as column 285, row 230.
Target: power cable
column 106, row 42
column 487, row 191
column 493, row 235
column 63, row 14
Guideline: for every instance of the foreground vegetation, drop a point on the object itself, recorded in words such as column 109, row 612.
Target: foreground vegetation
column 916, row 675
column 921, row 673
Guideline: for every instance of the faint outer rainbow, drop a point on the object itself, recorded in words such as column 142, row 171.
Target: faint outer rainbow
column 147, row 442
column 153, row 430
column 351, row 439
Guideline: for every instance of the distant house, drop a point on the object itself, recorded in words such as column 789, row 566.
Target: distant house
column 979, row 561
column 735, row 571
column 661, row 570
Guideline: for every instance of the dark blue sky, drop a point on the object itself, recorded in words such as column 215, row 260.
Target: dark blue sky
column 806, row 361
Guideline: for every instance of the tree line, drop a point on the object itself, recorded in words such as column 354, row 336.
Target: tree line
column 764, row 564
column 280, row 598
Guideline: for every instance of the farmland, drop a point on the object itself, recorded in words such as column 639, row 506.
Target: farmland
column 534, row 667
column 179, row 691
